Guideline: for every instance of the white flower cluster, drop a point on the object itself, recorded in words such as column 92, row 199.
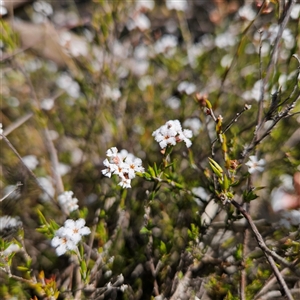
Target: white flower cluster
column 180, row 5
column 255, row 165
column 67, row 202
column 123, row 164
column 171, row 133
column 67, row 237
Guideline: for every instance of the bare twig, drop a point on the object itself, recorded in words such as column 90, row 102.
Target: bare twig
column 265, row 249
column 270, row 283
column 54, row 162
column 16, row 124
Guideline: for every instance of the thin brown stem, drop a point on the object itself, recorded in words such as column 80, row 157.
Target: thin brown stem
column 265, row 249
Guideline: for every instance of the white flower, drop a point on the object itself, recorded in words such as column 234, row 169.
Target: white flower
column 177, row 4
column 67, row 237
column 255, row 165
column 62, row 244
column 111, row 168
column 74, row 230
column 1, row 130
column 67, row 202
column 125, row 182
column 112, row 152
column 123, row 164
column 171, row 133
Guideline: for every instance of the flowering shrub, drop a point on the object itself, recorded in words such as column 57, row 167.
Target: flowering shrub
column 205, row 94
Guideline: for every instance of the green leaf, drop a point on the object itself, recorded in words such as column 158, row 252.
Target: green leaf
column 216, row 167
column 162, row 248
column 144, row 230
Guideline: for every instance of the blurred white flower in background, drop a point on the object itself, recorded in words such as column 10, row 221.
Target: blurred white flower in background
column 74, row 45
column 48, row 187
column 166, row 44
column 67, row 202
column 246, row 12
column 63, row 169
column 139, row 21
column 194, row 124
column 225, row 39
column 141, row 52
column 144, row 82
column 47, row 103
column 7, row 222
column 1, row 129
column 66, row 82
column 42, row 10
column 180, row 5
column 255, row 165
column 173, row 102
column 186, row 87
column 30, row 161
column 113, row 94
column 43, row 7
column 295, row 13
column 3, row 10
column 145, row 4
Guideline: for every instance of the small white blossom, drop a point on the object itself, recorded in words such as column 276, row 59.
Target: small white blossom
column 123, row 164
column 171, row 133
column 67, row 237
column 67, row 202
column 62, row 245
column 76, row 229
column 255, row 165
